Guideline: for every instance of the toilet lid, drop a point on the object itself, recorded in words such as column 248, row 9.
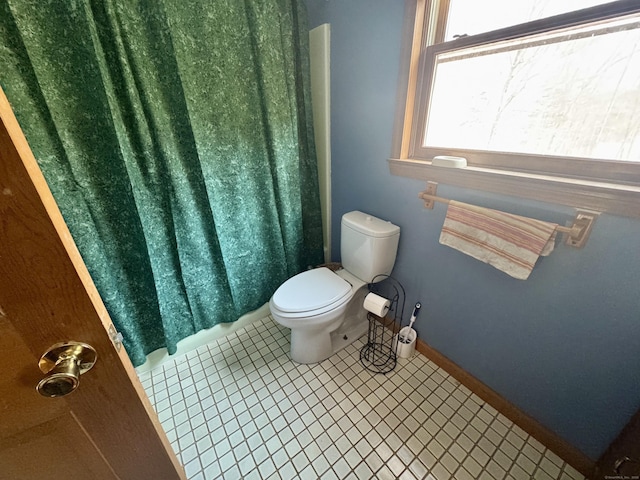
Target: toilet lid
column 310, row 290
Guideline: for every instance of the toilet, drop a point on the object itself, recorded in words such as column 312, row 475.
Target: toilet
column 323, row 308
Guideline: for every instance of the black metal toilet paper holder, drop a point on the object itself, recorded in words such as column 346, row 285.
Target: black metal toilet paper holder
column 379, row 353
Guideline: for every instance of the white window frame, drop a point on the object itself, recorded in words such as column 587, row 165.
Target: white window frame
column 606, row 186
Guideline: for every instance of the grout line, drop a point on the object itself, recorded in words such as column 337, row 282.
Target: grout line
column 239, row 408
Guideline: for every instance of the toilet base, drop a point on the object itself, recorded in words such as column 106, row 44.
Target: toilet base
column 310, row 346
column 342, row 338
column 314, row 347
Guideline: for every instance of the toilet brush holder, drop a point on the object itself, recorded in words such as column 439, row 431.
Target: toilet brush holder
column 406, row 342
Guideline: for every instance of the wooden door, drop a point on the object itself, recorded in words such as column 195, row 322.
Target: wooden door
column 106, row 428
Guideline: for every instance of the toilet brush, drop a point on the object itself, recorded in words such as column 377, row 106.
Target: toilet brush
column 406, row 342
column 405, row 333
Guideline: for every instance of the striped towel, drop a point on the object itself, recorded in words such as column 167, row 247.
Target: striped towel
column 508, row 242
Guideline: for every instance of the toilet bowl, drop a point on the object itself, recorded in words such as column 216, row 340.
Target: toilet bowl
column 313, row 303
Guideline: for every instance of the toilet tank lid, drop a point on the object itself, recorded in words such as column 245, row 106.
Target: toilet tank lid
column 310, row 290
column 369, row 225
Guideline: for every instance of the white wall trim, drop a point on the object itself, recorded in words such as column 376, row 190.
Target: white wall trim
column 320, row 52
column 158, row 357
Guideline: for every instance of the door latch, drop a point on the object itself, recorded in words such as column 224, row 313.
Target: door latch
column 116, row 337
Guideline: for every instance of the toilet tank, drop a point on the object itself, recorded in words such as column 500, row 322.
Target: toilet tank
column 368, row 245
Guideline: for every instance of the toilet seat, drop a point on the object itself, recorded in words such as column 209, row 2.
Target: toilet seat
column 311, row 293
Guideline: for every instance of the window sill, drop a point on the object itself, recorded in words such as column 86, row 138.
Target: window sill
column 603, row 197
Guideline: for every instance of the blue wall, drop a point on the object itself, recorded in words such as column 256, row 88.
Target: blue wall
column 564, row 346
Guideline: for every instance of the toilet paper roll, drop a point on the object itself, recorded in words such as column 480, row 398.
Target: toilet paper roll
column 376, row 304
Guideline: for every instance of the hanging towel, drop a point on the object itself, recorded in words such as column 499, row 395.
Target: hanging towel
column 510, row 243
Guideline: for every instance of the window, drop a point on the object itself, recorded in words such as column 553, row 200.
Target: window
column 542, row 99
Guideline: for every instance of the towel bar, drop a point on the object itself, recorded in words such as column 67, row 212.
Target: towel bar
column 577, row 233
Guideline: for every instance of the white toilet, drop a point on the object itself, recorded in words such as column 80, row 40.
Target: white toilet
column 315, row 304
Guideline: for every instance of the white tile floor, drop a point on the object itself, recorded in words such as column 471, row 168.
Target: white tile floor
column 239, row 408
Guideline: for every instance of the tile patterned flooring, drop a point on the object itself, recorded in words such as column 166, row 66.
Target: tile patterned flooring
column 239, row 408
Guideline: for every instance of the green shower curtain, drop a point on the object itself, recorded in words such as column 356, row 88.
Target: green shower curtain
column 176, row 137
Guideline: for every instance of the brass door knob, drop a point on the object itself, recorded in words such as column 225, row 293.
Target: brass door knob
column 63, row 363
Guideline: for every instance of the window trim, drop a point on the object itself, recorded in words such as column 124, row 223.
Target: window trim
column 611, row 186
